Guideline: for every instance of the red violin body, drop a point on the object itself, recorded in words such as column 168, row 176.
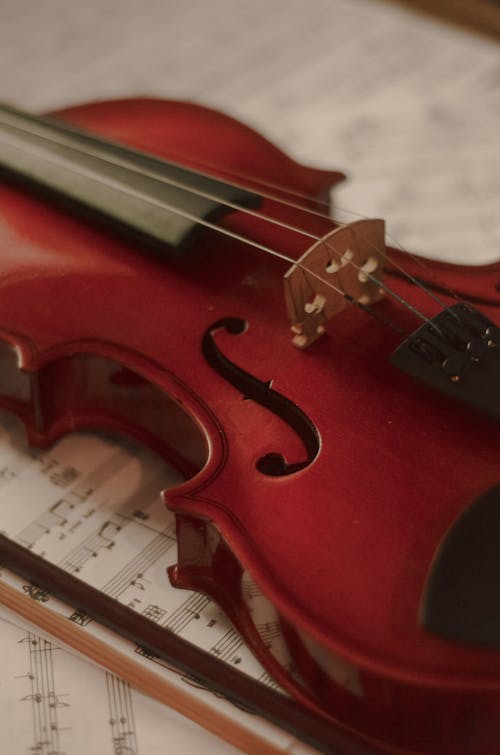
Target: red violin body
column 99, row 333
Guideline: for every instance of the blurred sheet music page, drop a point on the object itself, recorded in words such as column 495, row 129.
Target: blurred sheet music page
column 405, row 105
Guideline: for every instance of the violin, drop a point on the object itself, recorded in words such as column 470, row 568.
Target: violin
column 169, row 274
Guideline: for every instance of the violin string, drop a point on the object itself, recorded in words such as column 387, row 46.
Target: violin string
column 179, row 184
column 111, row 183
column 261, row 247
column 421, row 263
column 204, row 172
column 93, row 175
column 242, row 176
column 130, row 166
column 172, row 182
column 416, row 282
column 379, row 316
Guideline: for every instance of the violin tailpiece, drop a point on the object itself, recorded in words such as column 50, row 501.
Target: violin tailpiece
column 457, row 353
column 345, row 265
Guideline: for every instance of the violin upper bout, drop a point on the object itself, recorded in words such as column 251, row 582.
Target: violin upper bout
column 344, row 266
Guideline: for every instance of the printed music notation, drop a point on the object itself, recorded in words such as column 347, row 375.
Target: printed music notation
column 112, row 529
column 58, row 704
column 92, row 505
column 45, row 702
column 121, row 718
column 48, row 686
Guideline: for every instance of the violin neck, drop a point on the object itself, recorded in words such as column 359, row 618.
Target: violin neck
column 146, row 198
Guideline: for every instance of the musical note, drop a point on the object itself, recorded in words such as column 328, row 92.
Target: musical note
column 58, row 704
column 121, row 718
column 45, row 701
column 120, row 537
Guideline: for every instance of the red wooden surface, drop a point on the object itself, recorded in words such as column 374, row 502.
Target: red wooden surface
column 341, row 548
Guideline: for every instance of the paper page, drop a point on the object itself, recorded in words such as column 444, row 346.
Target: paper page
column 95, row 510
column 92, row 505
column 55, row 703
column 405, row 105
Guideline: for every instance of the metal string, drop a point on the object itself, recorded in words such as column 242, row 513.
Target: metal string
column 128, row 164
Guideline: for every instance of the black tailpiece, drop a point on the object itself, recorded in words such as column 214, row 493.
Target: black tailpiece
column 457, row 353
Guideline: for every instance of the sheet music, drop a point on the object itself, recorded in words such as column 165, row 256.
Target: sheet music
column 407, row 107
column 92, row 505
column 95, row 510
column 55, row 703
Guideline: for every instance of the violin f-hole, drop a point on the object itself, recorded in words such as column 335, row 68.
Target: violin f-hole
column 272, row 464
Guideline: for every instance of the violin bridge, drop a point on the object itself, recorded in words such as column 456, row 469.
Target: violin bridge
column 348, row 262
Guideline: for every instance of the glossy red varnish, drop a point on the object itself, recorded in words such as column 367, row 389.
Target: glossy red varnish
column 341, row 548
